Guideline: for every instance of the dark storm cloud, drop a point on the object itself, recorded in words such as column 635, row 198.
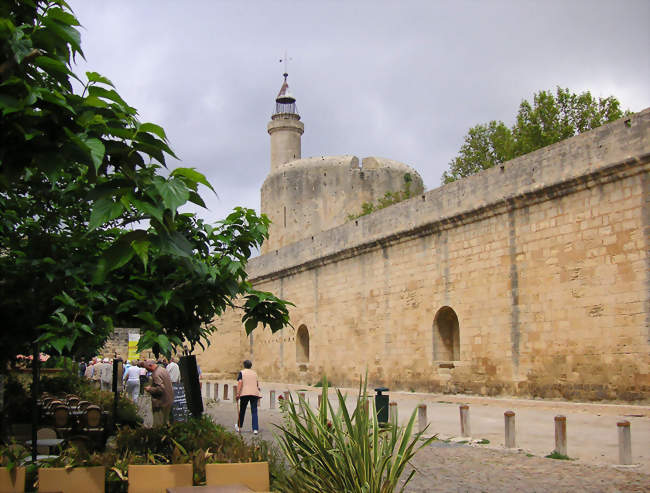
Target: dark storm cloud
column 401, row 80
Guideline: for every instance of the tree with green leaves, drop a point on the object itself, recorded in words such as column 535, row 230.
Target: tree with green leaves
column 91, row 230
column 549, row 119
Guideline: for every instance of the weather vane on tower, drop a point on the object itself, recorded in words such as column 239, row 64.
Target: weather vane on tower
column 285, row 60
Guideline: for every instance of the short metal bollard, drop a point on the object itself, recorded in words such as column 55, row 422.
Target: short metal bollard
column 272, row 399
column 422, row 417
column 509, row 418
column 225, row 391
column 392, row 412
column 560, row 435
column 624, row 443
column 465, row 430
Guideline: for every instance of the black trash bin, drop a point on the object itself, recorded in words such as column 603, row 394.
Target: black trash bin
column 381, row 404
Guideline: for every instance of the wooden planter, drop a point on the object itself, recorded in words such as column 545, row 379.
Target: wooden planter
column 157, row 478
column 71, row 480
column 255, row 475
column 14, row 482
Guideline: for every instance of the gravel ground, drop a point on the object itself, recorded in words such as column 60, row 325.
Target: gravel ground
column 456, row 467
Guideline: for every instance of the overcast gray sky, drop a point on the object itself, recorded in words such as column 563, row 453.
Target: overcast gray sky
column 403, row 80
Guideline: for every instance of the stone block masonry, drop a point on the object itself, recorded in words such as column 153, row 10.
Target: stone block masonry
column 529, row 279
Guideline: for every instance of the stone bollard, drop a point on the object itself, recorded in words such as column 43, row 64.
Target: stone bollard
column 465, row 430
column 204, row 391
column 216, row 391
column 509, row 418
column 392, row 412
column 225, row 391
column 272, row 399
column 422, row 417
column 286, row 395
column 624, row 443
column 302, row 396
column 560, row 434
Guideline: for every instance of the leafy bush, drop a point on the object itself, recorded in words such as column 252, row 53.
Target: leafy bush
column 198, row 440
column 336, row 451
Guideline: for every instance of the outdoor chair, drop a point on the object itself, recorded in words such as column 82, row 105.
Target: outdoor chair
column 62, row 421
column 92, row 426
column 42, row 433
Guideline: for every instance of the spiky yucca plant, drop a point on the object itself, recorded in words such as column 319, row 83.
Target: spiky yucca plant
column 333, row 452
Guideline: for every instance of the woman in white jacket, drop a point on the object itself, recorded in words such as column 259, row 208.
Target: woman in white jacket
column 248, row 390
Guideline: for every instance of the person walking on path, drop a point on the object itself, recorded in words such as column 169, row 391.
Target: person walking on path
column 131, row 381
column 106, row 375
column 174, row 371
column 248, row 390
column 162, row 394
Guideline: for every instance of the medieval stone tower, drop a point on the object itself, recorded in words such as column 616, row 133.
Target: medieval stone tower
column 303, row 197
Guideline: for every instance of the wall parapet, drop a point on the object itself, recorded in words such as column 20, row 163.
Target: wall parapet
column 605, row 154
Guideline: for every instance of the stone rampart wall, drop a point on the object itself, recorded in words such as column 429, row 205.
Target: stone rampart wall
column 544, row 262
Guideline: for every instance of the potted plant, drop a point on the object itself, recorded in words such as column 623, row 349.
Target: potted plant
column 73, row 471
column 12, row 473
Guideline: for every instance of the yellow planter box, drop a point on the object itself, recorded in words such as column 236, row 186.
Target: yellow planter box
column 71, row 480
column 157, row 478
column 255, row 475
column 13, row 482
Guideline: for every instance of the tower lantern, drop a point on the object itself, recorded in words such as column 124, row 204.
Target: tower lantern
column 285, row 128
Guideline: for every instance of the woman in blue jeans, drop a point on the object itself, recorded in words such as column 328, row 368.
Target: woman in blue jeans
column 248, row 390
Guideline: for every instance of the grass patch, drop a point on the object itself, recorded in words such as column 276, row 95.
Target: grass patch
column 483, row 441
column 558, row 456
column 530, row 455
column 445, row 402
column 463, row 441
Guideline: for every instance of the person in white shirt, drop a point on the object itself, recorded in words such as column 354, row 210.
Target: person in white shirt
column 174, row 371
column 131, row 381
column 106, row 375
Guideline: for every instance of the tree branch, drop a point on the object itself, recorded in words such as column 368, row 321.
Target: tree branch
column 10, row 64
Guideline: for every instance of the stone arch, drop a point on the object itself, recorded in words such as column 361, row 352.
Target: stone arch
column 446, row 335
column 302, row 345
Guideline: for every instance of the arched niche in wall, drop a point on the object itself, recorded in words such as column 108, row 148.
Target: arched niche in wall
column 446, row 335
column 302, row 345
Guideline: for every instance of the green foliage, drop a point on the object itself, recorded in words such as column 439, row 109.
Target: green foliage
column 12, row 455
column 16, row 401
column 558, row 456
column 198, row 440
column 90, row 228
column 389, row 198
column 549, row 119
column 332, row 451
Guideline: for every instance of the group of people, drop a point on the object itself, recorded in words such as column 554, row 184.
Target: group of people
column 164, row 376
column 99, row 371
column 135, row 377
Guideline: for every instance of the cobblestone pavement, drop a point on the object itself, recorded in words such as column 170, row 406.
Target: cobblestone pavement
column 457, row 467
